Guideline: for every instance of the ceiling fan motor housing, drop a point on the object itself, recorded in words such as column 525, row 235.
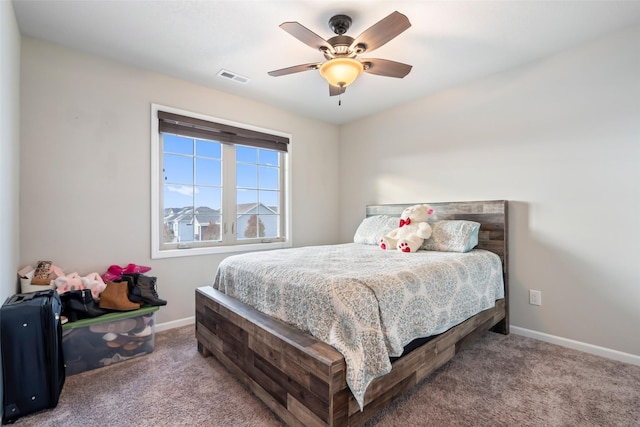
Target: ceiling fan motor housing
column 341, row 45
column 340, row 24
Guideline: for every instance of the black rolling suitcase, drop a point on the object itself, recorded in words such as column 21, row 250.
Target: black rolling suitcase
column 33, row 370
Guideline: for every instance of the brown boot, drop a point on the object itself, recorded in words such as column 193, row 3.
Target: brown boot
column 115, row 297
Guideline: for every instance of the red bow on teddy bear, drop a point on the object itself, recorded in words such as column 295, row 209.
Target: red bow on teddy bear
column 404, row 222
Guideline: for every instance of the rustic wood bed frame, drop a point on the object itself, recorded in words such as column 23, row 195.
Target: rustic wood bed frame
column 303, row 379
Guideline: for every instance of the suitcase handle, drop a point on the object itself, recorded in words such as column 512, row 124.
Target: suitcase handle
column 19, row 298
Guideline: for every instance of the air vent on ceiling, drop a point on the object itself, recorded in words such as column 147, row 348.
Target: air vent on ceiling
column 233, row 76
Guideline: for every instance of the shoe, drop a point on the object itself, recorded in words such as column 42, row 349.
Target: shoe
column 118, row 342
column 134, row 268
column 144, row 333
column 144, row 290
column 115, row 297
column 80, row 305
column 131, row 280
column 41, row 275
column 115, row 272
column 109, row 336
column 131, row 345
column 117, row 357
column 140, row 326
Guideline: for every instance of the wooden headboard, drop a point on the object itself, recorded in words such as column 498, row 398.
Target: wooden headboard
column 492, row 216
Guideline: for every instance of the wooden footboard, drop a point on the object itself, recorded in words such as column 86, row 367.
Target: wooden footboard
column 302, row 379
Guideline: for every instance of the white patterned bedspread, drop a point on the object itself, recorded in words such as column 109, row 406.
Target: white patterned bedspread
column 365, row 302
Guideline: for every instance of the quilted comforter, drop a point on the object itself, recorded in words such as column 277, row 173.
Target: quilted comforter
column 365, row 302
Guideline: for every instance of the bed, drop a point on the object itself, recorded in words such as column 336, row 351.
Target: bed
column 308, row 382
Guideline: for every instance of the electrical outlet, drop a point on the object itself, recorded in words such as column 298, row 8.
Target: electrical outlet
column 535, row 297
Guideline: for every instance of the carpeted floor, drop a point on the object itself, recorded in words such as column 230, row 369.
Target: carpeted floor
column 498, row 381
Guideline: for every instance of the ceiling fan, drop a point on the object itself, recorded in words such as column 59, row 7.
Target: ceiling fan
column 342, row 65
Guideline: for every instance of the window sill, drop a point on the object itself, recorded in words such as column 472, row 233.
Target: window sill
column 175, row 253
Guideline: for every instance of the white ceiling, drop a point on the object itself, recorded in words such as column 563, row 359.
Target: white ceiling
column 449, row 42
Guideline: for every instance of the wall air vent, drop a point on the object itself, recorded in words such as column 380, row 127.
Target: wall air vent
column 233, row 76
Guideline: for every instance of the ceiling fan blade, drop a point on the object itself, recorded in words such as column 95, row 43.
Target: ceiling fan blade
column 385, row 67
column 382, row 31
column 294, row 69
column 336, row 90
column 305, row 35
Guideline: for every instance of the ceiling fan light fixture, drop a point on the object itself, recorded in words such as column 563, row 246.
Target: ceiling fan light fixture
column 341, row 72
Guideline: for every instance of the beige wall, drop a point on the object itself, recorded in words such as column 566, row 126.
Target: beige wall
column 560, row 139
column 9, row 149
column 9, row 153
column 86, row 167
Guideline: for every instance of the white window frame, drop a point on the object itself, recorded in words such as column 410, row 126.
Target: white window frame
column 157, row 211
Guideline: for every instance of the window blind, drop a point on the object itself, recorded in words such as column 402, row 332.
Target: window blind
column 226, row 134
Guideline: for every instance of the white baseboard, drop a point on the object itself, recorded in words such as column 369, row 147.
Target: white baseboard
column 577, row 345
column 175, row 324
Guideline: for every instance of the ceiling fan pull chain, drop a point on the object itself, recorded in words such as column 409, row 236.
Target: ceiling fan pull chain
column 339, row 100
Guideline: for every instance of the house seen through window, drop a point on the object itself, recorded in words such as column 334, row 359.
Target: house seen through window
column 219, row 185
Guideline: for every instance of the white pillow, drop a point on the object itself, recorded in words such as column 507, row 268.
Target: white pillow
column 371, row 229
column 452, row 236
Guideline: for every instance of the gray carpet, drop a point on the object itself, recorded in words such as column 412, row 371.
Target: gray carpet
column 498, row 381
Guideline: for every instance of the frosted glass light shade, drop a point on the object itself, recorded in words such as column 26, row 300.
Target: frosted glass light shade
column 341, row 72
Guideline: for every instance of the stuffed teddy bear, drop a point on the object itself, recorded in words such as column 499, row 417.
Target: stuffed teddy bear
column 412, row 231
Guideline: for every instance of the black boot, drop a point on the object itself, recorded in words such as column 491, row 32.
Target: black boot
column 144, row 290
column 80, row 305
column 132, row 280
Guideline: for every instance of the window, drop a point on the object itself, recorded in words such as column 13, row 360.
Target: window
column 217, row 186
